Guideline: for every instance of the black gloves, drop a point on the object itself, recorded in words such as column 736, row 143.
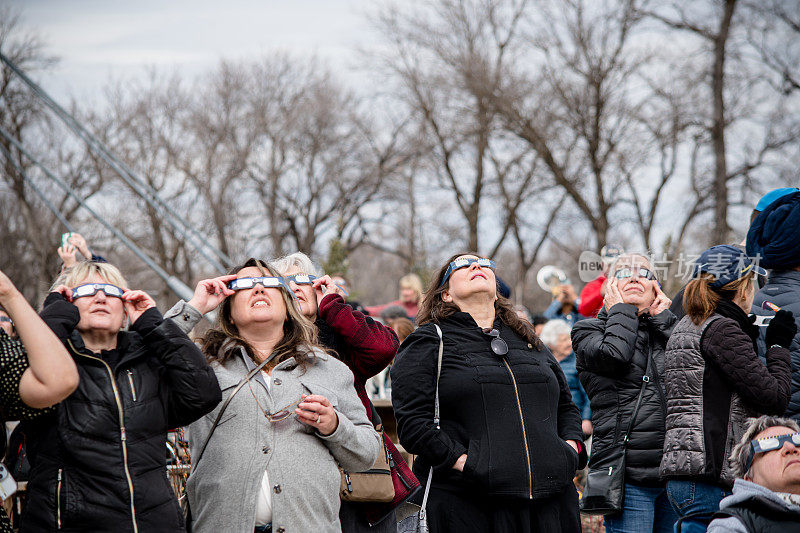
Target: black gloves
column 781, row 329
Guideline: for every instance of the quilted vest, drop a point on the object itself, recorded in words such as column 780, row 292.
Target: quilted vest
column 684, row 442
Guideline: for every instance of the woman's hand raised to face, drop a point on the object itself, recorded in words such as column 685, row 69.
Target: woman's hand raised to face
column 324, row 286
column 209, row 293
column 613, row 295
column 317, row 412
column 661, row 303
column 136, row 303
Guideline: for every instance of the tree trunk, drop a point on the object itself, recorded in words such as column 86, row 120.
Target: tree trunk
column 720, row 186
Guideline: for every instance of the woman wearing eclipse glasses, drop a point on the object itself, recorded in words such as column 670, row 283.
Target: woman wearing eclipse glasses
column 366, row 347
column 715, row 380
column 496, row 426
column 620, row 362
column 266, row 458
column 98, row 461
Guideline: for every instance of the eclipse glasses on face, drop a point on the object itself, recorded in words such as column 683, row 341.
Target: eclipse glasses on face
column 627, row 272
column 464, row 262
column 770, row 443
column 300, row 279
column 6, row 319
column 90, row 289
column 240, row 284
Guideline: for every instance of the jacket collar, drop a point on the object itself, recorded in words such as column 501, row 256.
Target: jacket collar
column 129, row 346
column 744, row 491
column 250, row 365
column 785, row 276
column 462, row 319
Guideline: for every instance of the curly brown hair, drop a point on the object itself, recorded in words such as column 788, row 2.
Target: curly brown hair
column 222, row 341
column 434, row 309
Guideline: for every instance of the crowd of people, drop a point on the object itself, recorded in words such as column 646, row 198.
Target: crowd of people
column 659, row 414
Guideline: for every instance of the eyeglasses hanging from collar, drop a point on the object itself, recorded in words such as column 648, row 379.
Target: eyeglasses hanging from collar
column 498, row 345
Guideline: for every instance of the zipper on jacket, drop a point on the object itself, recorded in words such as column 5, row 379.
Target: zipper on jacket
column 524, row 433
column 392, row 465
column 58, row 500
column 133, row 389
column 123, row 436
column 659, row 391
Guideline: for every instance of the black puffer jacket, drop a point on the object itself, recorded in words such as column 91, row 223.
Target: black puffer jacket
column 611, row 353
column 490, row 405
column 783, row 290
column 99, row 462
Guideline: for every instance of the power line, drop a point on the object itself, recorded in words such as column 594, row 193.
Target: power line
column 176, row 285
column 37, row 190
column 139, row 186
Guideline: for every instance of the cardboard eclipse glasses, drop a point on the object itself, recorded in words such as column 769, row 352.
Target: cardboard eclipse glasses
column 465, row 262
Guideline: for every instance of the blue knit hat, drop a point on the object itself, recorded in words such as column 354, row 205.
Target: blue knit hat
column 774, row 235
column 773, row 195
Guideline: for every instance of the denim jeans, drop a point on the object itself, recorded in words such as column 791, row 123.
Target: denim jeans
column 695, row 498
column 646, row 510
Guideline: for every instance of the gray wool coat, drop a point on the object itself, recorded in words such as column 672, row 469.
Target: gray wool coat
column 301, row 463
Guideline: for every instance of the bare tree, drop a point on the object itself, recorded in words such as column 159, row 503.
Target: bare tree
column 578, row 113
column 216, row 142
column 447, row 58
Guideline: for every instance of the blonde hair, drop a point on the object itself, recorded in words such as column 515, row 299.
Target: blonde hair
column 412, row 281
column 700, row 300
column 83, row 270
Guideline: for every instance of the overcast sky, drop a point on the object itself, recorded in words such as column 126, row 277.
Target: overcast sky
column 100, row 40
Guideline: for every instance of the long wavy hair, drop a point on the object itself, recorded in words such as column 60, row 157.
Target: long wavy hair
column 435, row 309
column 223, row 340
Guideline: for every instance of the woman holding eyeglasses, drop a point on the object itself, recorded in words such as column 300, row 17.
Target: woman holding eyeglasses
column 98, row 461
column 510, row 437
column 366, row 347
column 620, row 362
column 268, row 461
column 715, row 381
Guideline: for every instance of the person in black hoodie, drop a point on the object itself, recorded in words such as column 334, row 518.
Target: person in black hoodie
column 98, row 461
column 715, row 380
column 612, row 354
column 510, row 437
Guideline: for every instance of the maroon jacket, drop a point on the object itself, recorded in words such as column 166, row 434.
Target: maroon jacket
column 367, row 347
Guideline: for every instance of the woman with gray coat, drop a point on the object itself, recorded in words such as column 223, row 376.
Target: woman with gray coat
column 271, row 462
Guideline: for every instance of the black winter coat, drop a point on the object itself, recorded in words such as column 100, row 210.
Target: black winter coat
column 611, row 353
column 783, row 290
column 99, row 462
column 511, row 415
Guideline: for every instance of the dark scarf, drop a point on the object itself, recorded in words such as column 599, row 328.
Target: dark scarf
column 328, row 337
column 730, row 310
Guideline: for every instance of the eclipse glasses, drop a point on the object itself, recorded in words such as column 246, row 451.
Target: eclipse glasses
column 627, row 272
column 90, row 289
column 464, row 262
column 770, row 443
column 240, row 284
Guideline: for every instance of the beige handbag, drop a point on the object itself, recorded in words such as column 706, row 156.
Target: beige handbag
column 373, row 485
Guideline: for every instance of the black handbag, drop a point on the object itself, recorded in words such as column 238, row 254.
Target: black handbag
column 604, row 493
